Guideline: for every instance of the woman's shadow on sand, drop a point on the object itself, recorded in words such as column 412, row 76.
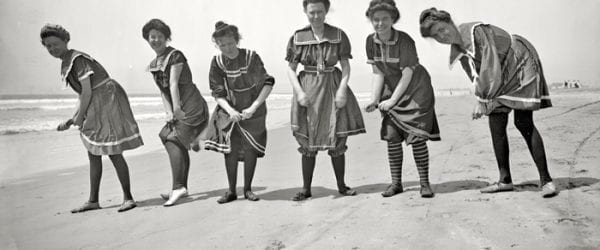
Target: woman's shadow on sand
column 563, row 183
column 199, row 196
column 286, row 194
column 409, row 186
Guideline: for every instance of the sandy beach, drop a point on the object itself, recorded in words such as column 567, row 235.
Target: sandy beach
column 34, row 208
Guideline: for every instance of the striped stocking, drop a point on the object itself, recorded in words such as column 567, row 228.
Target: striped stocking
column 395, row 156
column 421, row 155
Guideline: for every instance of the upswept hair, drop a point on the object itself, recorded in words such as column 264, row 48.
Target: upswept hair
column 156, row 24
column 431, row 16
column 383, row 5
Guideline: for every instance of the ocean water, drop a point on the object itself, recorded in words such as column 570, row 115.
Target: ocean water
column 25, row 114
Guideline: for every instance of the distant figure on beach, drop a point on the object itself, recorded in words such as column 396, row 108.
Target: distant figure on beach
column 507, row 74
column 403, row 93
column 104, row 117
column 324, row 109
column 240, row 84
column 187, row 112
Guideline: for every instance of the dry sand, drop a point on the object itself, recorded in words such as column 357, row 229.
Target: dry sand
column 34, row 211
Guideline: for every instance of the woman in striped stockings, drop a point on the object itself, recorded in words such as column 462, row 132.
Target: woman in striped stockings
column 402, row 92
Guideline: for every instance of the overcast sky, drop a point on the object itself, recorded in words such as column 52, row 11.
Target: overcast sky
column 566, row 34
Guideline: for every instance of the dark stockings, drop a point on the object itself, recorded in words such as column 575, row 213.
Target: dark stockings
column 231, row 165
column 308, row 168
column 339, row 168
column 180, row 164
column 96, row 175
column 524, row 122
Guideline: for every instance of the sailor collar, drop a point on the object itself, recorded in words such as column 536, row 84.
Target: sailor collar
column 466, row 31
column 68, row 61
column 305, row 36
column 160, row 62
column 395, row 37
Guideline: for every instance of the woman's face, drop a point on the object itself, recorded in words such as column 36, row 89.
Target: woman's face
column 55, row 46
column 382, row 22
column 157, row 41
column 228, row 46
column 444, row 33
column 315, row 12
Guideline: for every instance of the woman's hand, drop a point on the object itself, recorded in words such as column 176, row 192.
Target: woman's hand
column 372, row 106
column 65, row 125
column 169, row 116
column 178, row 114
column 234, row 115
column 78, row 121
column 340, row 99
column 477, row 111
column 248, row 112
column 302, row 99
column 386, row 105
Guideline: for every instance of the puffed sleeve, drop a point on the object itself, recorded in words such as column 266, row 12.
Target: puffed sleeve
column 294, row 52
column 216, row 79
column 260, row 71
column 82, row 68
column 176, row 58
column 370, row 50
column 489, row 78
column 344, row 50
column 408, row 53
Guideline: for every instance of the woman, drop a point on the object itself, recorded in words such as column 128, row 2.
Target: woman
column 407, row 101
column 103, row 115
column 186, row 109
column 240, row 85
column 507, row 75
column 324, row 109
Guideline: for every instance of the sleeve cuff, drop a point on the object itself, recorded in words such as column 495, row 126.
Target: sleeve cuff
column 86, row 75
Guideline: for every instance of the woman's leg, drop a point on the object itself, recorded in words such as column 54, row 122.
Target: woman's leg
column 250, row 158
column 95, row 176
column 497, row 123
column 524, row 123
column 178, row 158
column 308, row 168
column 186, row 168
column 421, row 154
column 231, row 166
column 395, row 157
column 123, row 174
column 339, row 168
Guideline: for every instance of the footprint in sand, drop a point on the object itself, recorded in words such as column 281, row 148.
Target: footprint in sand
column 275, row 245
column 475, row 166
